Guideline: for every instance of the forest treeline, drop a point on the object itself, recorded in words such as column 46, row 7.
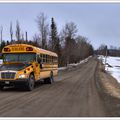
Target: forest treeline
column 70, row 46
column 111, row 51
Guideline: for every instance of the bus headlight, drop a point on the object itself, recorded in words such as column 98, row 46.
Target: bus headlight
column 22, row 76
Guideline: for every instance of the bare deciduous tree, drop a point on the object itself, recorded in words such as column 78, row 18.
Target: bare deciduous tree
column 43, row 27
column 18, row 30
column 36, row 40
column 68, row 35
column 11, row 31
column 102, row 49
column 70, row 30
column 1, row 33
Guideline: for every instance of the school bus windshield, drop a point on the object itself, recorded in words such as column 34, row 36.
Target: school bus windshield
column 19, row 57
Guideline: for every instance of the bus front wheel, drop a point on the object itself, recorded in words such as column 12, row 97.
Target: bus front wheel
column 30, row 83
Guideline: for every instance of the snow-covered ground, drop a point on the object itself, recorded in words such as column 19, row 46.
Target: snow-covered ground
column 74, row 64
column 1, row 61
column 112, row 66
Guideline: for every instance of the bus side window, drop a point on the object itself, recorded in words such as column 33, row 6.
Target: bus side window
column 38, row 59
column 40, row 63
column 55, row 59
column 41, row 56
column 44, row 58
column 47, row 58
column 52, row 60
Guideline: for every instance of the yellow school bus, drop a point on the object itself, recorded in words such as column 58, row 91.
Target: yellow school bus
column 24, row 65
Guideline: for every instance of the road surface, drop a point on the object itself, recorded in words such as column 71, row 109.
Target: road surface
column 73, row 94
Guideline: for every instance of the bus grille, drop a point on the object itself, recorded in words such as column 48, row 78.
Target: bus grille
column 8, row 75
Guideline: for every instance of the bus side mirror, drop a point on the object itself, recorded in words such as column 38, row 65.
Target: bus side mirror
column 1, row 55
column 39, row 61
column 40, row 65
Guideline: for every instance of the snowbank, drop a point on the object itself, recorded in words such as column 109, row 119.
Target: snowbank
column 112, row 66
column 61, row 68
column 74, row 64
column 1, row 61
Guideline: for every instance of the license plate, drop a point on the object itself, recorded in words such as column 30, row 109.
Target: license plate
column 7, row 82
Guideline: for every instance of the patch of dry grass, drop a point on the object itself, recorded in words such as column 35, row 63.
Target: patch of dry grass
column 109, row 90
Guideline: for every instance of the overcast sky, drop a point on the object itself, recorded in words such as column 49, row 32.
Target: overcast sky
column 100, row 23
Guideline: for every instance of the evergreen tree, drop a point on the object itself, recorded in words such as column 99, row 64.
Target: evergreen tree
column 58, row 49
column 54, row 36
column 7, row 43
column 55, row 45
column 2, row 45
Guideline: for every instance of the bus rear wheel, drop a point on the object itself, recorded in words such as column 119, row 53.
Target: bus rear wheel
column 1, row 87
column 49, row 80
column 30, row 83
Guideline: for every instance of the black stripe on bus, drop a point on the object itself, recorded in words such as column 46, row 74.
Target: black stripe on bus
column 48, row 70
column 49, row 67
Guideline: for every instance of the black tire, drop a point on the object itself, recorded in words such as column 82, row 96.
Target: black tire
column 1, row 87
column 49, row 80
column 30, row 83
column 46, row 81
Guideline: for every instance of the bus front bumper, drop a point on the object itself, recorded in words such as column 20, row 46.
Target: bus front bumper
column 13, row 82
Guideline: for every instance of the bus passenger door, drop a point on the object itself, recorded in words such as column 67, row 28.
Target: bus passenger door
column 37, row 69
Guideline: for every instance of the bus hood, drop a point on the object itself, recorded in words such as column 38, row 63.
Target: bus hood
column 16, row 67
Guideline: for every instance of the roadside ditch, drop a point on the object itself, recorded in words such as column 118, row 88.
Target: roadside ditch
column 109, row 90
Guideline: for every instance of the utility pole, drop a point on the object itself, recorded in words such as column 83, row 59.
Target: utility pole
column 105, row 54
column 26, row 36
column 1, row 31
